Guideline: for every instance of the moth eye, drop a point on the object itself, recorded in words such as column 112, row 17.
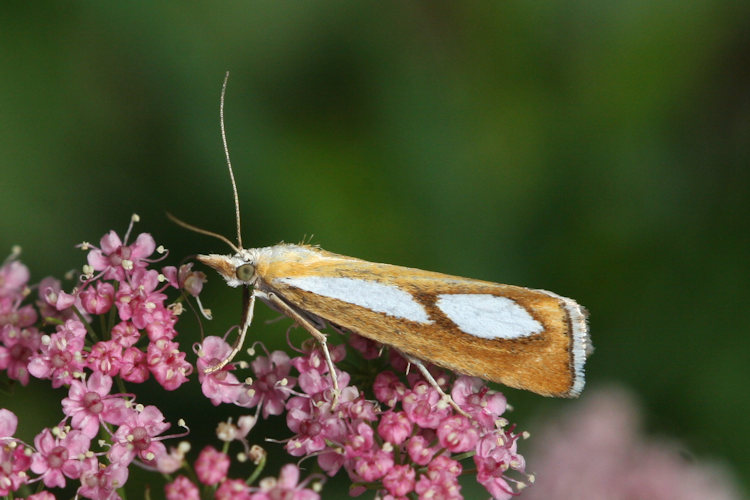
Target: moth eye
column 245, row 272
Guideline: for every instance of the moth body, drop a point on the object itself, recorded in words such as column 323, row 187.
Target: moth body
column 520, row 337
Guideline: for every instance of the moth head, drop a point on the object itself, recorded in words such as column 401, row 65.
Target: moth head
column 238, row 269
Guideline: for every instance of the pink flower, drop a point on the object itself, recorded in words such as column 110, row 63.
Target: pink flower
column 424, row 407
column 138, row 300
column 399, row 480
column 14, row 462
column 444, row 466
column 88, row 404
column 167, row 363
column 441, row 480
column 19, row 346
column 314, row 425
column 220, row 386
column 419, row 450
column 271, row 384
column 374, row 465
column 54, row 302
column 138, row 437
column 8, row 423
column 105, row 357
column 58, row 458
column 185, row 278
column 13, row 313
column 313, row 370
column 285, row 487
column 13, row 459
column 437, row 487
column 100, row 482
column 133, row 367
column 394, row 427
column 181, row 489
column 475, row 398
column 314, row 382
column 98, row 299
column 61, row 357
column 388, row 388
column 48, row 287
column 304, row 422
column 495, row 455
column 211, row 466
column 118, row 260
column 161, row 324
column 125, row 333
column 360, row 442
column 13, row 278
column 457, row 434
column 356, row 406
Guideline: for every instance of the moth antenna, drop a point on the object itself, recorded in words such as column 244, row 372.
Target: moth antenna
column 229, row 162
column 203, row 231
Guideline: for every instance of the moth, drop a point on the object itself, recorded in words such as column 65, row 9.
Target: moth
column 520, row 337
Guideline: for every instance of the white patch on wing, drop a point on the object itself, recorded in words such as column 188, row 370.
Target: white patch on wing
column 488, row 316
column 388, row 299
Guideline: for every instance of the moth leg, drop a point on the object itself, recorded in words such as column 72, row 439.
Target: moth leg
column 248, row 307
column 431, row 380
column 320, row 337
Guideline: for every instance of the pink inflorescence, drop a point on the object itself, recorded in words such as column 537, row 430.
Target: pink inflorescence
column 137, row 346
column 597, row 448
column 397, row 436
column 115, row 323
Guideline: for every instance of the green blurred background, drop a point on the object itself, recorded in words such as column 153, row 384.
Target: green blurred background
column 597, row 149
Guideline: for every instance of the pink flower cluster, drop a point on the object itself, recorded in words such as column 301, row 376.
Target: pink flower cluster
column 19, row 338
column 65, row 452
column 407, row 440
column 136, row 343
column 122, row 280
column 395, row 434
column 598, row 449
